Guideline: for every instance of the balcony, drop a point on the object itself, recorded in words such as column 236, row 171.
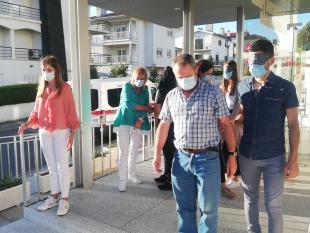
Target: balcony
column 100, row 59
column 115, row 38
column 20, row 53
column 98, row 26
column 15, row 10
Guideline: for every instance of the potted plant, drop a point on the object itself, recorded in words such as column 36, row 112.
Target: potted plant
column 11, row 192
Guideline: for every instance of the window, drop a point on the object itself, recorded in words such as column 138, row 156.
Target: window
column 198, row 56
column 168, row 52
column 94, row 99
column 114, row 96
column 170, row 33
column 198, row 44
column 159, row 52
column 121, row 55
column 219, row 43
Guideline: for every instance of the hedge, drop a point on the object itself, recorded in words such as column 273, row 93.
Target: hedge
column 17, row 94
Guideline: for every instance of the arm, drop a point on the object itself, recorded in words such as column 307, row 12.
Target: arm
column 32, row 121
column 161, row 137
column 291, row 168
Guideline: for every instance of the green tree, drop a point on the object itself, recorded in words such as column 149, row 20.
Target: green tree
column 119, row 70
column 93, row 72
column 303, row 37
column 210, row 59
column 154, row 74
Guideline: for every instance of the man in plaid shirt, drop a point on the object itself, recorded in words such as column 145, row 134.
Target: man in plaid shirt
column 196, row 108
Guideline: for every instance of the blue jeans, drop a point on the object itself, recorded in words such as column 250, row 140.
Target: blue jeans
column 273, row 177
column 196, row 177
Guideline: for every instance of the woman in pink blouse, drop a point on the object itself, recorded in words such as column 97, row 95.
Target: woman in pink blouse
column 55, row 116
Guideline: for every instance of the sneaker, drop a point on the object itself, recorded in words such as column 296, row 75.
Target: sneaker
column 50, row 202
column 232, row 184
column 135, row 180
column 162, row 179
column 63, row 207
column 122, row 186
column 165, row 187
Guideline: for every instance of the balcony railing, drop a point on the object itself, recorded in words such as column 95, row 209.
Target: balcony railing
column 28, row 54
column 20, row 53
column 120, row 59
column 98, row 25
column 11, row 9
column 119, row 36
column 5, row 52
column 99, row 59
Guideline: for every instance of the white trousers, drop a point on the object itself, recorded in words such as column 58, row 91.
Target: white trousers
column 129, row 143
column 54, row 145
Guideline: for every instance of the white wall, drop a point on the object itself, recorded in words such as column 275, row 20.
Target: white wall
column 18, row 71
column 15, row 112
column 148, row 48
column 23, row 39
column 4, row 37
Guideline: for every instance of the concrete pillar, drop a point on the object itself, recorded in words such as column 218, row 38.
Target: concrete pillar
column 77, row 47
column 240, row 40
column 130, row 53
column 12, row 40
column 188, row 26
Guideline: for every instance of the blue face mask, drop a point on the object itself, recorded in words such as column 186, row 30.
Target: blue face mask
column 187, row 83
column 228, row 75
column 206, row 78
column 139, row 83
column 257, row 71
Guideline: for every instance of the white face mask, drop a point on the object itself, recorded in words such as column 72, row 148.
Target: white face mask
column 139, row 83
column 187, row 83
column 48, row 76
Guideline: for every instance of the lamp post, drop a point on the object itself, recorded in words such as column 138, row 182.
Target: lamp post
column 227, row 45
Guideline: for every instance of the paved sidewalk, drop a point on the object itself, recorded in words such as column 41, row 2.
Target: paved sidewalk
column 145, row 209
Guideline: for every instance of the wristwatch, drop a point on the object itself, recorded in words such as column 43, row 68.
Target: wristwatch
column 234, row 154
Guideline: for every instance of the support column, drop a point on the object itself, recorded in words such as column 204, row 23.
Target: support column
column 130, row 53
column 240, row 40
column 188, row 26
column 12, row 40
column 77, row 48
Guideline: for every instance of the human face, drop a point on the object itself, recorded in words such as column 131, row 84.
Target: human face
column 185, row 75
column 48, row 72
column 139, row 79
column 259, row 64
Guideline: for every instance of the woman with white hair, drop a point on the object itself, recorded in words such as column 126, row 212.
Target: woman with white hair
column 131, row 123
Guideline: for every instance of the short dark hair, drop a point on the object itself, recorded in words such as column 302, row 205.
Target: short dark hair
column 203, row 66
column 264, row 46
column 184, row 59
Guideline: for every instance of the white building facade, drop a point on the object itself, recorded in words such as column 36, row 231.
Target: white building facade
column 130, row 41
column 20, row 41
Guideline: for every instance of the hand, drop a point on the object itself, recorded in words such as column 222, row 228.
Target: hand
column 21, row 128
column 291, row 170
column 231, row 166
column 138, row 123
column 156, row 164
column 70, row 142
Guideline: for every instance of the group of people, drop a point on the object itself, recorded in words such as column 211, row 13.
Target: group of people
column 211, row 136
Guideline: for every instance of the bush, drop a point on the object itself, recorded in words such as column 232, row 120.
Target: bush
column 17, row 94
column 93, row 72
column 9, row 182
column 155, row 75
column 119, row 70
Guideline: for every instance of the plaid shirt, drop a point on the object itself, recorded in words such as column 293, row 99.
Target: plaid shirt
column 195, row 117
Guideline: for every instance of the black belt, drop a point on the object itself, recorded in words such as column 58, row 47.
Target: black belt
column 196, row 151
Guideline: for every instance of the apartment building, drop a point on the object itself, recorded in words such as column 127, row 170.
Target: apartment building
column 20, row 41
column 128, row 40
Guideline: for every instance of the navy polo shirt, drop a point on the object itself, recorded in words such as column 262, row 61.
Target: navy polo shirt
column 264, row 116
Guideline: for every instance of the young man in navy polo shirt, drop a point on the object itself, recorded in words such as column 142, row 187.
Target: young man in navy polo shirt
column 266, row 100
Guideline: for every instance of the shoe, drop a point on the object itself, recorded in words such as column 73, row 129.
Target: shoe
column 162, row 179
column 50, row 202
column 135, row 180
column 166, row 186
column 232, row 184
column 63, row 207
column 122, row 186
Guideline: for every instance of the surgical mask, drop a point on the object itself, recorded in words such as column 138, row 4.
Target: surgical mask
column 187, row 83
column 206, row 78
column 228, row 75
column 139, row 82
column 48, row 76
column 258, row 71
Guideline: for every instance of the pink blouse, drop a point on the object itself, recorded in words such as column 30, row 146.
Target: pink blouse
column 52, row 111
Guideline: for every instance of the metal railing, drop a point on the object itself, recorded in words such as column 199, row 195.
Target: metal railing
column 99, row 59
column 28, row 54
column 5, row 52
column 11, row 9
column 125, row 35
column 98, row 25
column 105, row 151
column 120, row 59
